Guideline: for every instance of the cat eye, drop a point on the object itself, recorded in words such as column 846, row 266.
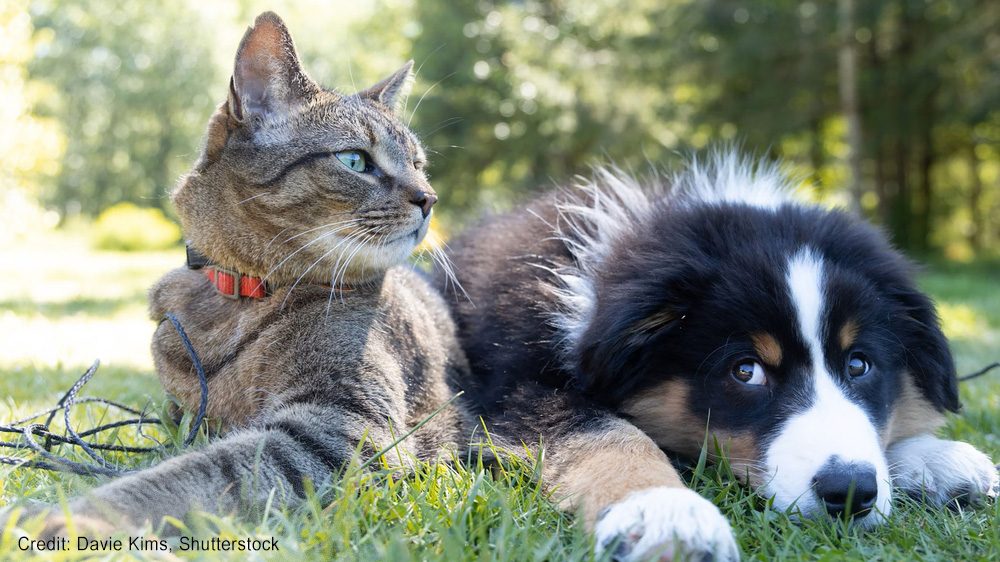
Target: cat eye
column 750, row 372
column 356, row 160
column 858, row 365
column 418, row 164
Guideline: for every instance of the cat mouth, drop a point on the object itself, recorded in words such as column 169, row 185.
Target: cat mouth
column 411, row 236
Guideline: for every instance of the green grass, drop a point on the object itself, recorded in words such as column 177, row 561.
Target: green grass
column 62, row 306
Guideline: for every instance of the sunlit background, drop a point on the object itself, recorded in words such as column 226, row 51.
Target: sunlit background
column 887, row 106
column 892, row 106
column 104, row 102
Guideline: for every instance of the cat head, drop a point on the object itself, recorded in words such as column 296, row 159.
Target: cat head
column 298, row 182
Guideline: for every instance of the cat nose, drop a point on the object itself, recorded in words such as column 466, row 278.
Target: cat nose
column 425, row 200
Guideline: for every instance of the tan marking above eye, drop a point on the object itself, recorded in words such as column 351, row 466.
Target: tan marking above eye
column 848, row 333
column 767, row 347
column 654, row 321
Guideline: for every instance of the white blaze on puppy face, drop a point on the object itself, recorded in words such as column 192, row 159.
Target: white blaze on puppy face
column 832, row 426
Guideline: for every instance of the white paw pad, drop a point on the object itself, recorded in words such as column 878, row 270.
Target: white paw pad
column 941, row 470
column 671, row 523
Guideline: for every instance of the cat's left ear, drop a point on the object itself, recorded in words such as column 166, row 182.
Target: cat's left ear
column 268, row 80
column 391, row 91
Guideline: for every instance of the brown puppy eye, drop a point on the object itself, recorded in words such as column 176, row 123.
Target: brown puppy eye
column 858, row 365
column 749, row 372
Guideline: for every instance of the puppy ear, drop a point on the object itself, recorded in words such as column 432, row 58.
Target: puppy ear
column 928, row 357
column 391, row 91
column 268, row 80
column 630, row 314
column 619, row 348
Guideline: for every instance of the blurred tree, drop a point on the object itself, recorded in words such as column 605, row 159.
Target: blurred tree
column 847, row 75
column 516, row 95
column 533, row 92
column 921, row 93
column 31, row 146
column 132, row 97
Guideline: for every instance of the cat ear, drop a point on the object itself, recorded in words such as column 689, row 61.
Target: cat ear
column 391, row 91
column 267, row 79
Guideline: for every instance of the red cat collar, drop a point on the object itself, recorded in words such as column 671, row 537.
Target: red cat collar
column 226, row 281
column 230, row 284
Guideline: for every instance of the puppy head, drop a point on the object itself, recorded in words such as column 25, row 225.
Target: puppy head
column 790, row 333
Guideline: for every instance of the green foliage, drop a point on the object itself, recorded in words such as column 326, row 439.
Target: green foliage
column 512, row 97
column 540, row 90
column 128, row 228
column 132, row 87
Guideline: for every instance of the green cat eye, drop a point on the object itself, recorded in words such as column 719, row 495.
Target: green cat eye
column 355, row 160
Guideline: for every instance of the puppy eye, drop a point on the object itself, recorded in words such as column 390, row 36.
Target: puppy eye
column 858, row 365
column 749, row 372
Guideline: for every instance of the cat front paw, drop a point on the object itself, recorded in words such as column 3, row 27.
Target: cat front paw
column 942, row 471
column 668, row 523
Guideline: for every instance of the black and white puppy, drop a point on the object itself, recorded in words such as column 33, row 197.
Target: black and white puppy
column 613, row 321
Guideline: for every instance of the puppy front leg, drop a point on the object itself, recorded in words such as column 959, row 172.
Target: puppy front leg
column 942, row 471
column 632, row 497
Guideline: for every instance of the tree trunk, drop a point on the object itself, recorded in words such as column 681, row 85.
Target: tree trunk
column 807, row 74
column 926, row 164
column 881, row 184
column 902, row 210
column 902, row 109
column 978, row 230
column 847, row 69
column 926, row 196
column 879, row 141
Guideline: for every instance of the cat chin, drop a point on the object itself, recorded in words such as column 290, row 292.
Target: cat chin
column 367, row 258
column 384, row 256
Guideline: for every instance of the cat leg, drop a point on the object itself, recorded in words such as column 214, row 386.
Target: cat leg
column 941, row 470
column 615, row 477
column 236, row 473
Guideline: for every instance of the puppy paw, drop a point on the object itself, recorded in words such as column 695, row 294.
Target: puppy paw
column 942, row 471
column 667, row 524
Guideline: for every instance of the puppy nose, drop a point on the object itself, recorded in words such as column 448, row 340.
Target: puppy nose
column 846, row 488
column 424, row 200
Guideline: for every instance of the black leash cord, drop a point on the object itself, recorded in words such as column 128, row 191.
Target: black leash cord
column 100, row 467
column 202, row 380
column 979, row 373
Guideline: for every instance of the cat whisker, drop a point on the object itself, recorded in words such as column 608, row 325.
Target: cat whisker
column 350, row 252
column 448, row 268
column 303, row 247
column 350, row 257
column 275, row 237
column 350, row 72
column 427, row 91
column 445, row 124
column 350, row 240
column 306, row 272
column 284, row 230
column 378, row 247
column 335, row 269
column 252, row 197
column 304, row 232
column 416, row 73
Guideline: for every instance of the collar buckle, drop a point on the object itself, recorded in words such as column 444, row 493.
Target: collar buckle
column 237, row 282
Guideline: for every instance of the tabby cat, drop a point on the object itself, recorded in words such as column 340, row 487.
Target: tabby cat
column 314, row 196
